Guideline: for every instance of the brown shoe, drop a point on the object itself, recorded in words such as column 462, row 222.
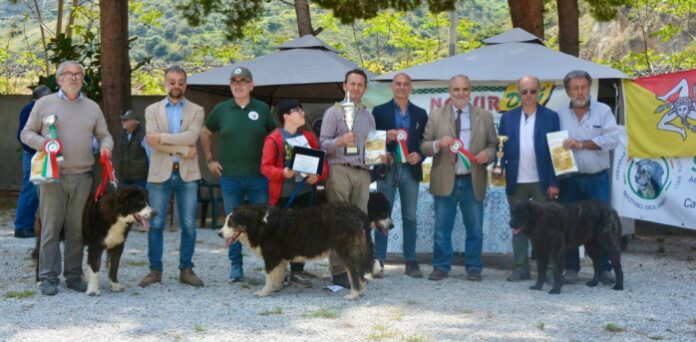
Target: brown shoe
column 437, row 275
column 413, row 270
column 154, row 276
column 188, row 277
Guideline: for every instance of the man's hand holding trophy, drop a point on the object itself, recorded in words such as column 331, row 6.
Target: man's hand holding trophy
column 349, row 114
column 498, row 174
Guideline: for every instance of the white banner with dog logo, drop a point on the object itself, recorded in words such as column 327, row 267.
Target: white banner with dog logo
column 660, row 190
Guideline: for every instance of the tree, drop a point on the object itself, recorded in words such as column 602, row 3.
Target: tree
column 237, row 13
column 115, row 64
column 528, row 15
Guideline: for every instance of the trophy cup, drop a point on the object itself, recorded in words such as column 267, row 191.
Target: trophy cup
column 498, row 173
column 349, row 117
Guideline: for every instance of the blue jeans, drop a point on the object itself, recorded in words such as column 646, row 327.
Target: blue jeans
column 28, row 201
column 472, row 215
column 585, row 187
column 399, row 178
column 141, row 183
column 234, row 189
column 186, row 195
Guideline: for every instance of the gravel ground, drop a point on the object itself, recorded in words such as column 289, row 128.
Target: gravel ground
column 659, row 302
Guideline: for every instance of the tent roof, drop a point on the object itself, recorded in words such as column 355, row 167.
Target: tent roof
column 516, row 35
column 507, row 57
column 305, row 68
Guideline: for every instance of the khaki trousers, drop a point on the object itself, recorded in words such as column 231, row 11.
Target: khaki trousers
column 347, row 184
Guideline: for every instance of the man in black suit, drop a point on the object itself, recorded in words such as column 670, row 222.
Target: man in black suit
column 399, row 116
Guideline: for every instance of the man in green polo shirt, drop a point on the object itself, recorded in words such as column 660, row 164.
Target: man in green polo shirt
column 242, row 123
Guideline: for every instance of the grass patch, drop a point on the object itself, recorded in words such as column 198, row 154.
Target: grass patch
column 540, row 326
column 412, row 302
column 255, row 281
column 611, row 327
column 20, row 294
column 323, row 313
column 414, row 339
column 381, row 332
column 398, row 315
column 245, row 286
column 661, row 250
column 657, row 338
column 136, row 263
column 660, row 239
column 467, row 311
column 277, row 310
column 198, row 328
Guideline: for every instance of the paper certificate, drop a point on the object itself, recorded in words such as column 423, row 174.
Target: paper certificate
column 375, row 146
column 307, row 160
column 563, row 159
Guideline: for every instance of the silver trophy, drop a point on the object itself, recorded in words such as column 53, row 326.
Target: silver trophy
column 348, row 108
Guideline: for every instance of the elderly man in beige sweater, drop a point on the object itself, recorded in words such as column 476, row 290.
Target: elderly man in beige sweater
column 61, row 203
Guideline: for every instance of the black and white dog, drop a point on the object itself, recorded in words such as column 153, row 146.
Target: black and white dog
column 105, row 226
column 281, row 235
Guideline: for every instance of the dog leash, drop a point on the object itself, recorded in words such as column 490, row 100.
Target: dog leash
column 297, row 189
column 108, row 176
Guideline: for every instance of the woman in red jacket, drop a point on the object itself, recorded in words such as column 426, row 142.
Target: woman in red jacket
column 275, row 165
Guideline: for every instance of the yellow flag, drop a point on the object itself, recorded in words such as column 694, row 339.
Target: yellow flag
column 660, row 117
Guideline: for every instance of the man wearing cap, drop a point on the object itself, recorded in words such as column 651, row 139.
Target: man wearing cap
column 349, row 177
column 173, row 126
column 28, row 200
column 132, row 164
column 61, row 204
column 242, row 123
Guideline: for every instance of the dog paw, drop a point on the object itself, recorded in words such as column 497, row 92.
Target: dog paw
column 262, row 293
column 536, row 287
column 353, row 295
column 618, row 287
column 592, row 283
column 117, row 287
column 93, row 293
column 555, row 291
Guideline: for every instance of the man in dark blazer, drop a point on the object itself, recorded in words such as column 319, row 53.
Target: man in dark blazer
column 456, row 183
column 529, row 171
column 404, row 176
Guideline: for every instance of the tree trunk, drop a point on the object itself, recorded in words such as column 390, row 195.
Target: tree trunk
column 304, row 20
column 59, row 18
column 115, row 65
column 568, row 32
column 71, row 19
column 528, row 15
column 452, row 39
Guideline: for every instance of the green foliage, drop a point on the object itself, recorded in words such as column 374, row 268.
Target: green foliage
column 348, row 11
column 605, row 10
column 236, row 13
column 85, row 52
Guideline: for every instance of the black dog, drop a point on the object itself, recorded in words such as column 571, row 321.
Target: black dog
column 555, row 229
column 298, row 234
column 105, row 225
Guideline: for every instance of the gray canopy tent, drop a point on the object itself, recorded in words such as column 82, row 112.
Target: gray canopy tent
column 507, row 57
column 305, row 68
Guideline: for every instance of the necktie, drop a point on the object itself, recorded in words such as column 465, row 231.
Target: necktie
column 458, row 122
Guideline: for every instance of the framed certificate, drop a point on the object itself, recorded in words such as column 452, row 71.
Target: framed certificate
column 307, row 160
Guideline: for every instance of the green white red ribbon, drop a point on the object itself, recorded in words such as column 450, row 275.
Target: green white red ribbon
column 50, row 167
column 467, row 157
column 401, row 147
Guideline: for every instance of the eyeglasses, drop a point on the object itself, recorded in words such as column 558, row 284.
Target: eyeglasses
column 297, row 110
column 240, row 82
column 529, row 91
column 74, row 76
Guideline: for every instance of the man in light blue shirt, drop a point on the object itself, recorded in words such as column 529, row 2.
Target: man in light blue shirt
column 592, row 133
